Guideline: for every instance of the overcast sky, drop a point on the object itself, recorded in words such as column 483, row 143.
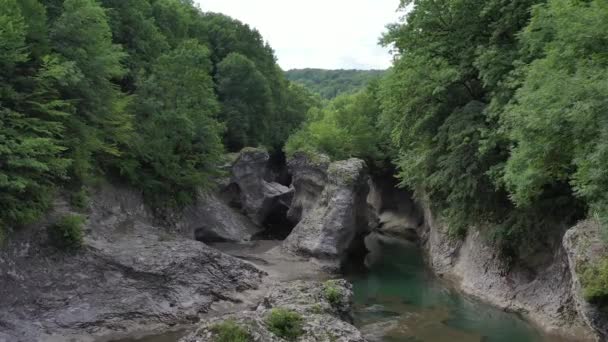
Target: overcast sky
column 329, row 34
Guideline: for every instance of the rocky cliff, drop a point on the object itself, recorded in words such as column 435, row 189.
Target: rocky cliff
column 542, row 291
column 129, row 275
column 332, row 224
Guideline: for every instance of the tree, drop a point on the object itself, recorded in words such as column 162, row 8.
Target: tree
column 101, row 125
column 246, row 102
column 557, row 119
column 30, row 123
column 179, row 145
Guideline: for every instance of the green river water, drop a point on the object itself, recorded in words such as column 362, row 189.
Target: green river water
column 398, row 299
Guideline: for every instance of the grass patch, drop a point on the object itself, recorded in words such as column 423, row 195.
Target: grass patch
column 230, row 331
column 594, row 279
column 332, row 293
column 67, row 232
column 285, row 323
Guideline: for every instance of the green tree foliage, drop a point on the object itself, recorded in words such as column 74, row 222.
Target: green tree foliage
column 247, row 103
column 179, row 146
column 332, row 83
column 30, row 121
column 101, row 126
column 557, row 119
column 93, row 88
column 443, row 103
column 346, row 127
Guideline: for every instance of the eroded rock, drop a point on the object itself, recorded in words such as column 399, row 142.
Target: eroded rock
column 322, row 319
column 258, row 197
column 541, row 290
column 309, row 176
column 584, row 246
column 129, row 275
column 212, row 220
column 337, row 219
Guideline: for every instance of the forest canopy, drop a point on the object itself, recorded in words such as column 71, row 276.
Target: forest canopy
column 495, row 111
column 148, row 92
column 332, row 83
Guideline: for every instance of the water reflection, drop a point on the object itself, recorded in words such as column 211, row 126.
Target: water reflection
column 398, row 299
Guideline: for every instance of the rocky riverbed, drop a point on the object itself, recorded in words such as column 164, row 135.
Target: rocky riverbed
column 137, row 274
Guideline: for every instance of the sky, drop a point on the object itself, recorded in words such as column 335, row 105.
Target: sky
column 328, row 34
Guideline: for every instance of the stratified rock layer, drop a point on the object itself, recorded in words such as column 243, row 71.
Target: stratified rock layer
column 129, row 275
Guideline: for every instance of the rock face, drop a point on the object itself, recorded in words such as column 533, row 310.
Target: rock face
column 129, row 275
column 393, row 212
column 258, row 197
column 542, row 293
column 309, row 176
column 212, row 220
column 322, row 320
column 339, row 216
column 583, row 245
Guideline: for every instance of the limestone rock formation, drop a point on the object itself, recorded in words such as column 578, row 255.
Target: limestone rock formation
column 129, row 275
column 323, row 320
column 212, row 220
column 337, row 219
column 540, row 290
column 258, row 197
column 309, row 176
column 584, row 246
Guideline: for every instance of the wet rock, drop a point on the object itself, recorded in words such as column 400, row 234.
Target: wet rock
column 583, row 244
column 322, row 320
column 129, row 275
column 258, row 197
column 337, row 219
column 309, row 176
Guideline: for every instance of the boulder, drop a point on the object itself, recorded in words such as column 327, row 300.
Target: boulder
column 322, row 320
column 583, row 244
column 129, row 275
column 337, row 219
column 212, row 220
column 258, row 197
column 309, row 176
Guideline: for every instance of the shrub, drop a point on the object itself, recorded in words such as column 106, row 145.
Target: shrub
column 285, row 323
column 80, row 199
column 332, row 293
column 594, row 279
column 67, row 232
column 230, row 331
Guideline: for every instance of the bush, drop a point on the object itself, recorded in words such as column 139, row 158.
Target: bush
column 230, row 331
column 67, row 232
column 285, row 323
column 594, row 279
column 332, row 293
column 80, row 199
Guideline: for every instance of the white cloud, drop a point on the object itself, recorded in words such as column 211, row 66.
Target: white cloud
column 330, row 34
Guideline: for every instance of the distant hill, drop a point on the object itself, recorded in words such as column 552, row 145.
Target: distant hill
column 331, row 83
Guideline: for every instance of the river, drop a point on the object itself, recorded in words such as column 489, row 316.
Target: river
column 398, row 299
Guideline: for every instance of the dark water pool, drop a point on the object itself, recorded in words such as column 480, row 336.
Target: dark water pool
column 398, row 299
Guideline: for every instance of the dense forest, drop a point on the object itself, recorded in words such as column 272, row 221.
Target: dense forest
column 331, row 83
column 145, row 92
column 495, row 111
